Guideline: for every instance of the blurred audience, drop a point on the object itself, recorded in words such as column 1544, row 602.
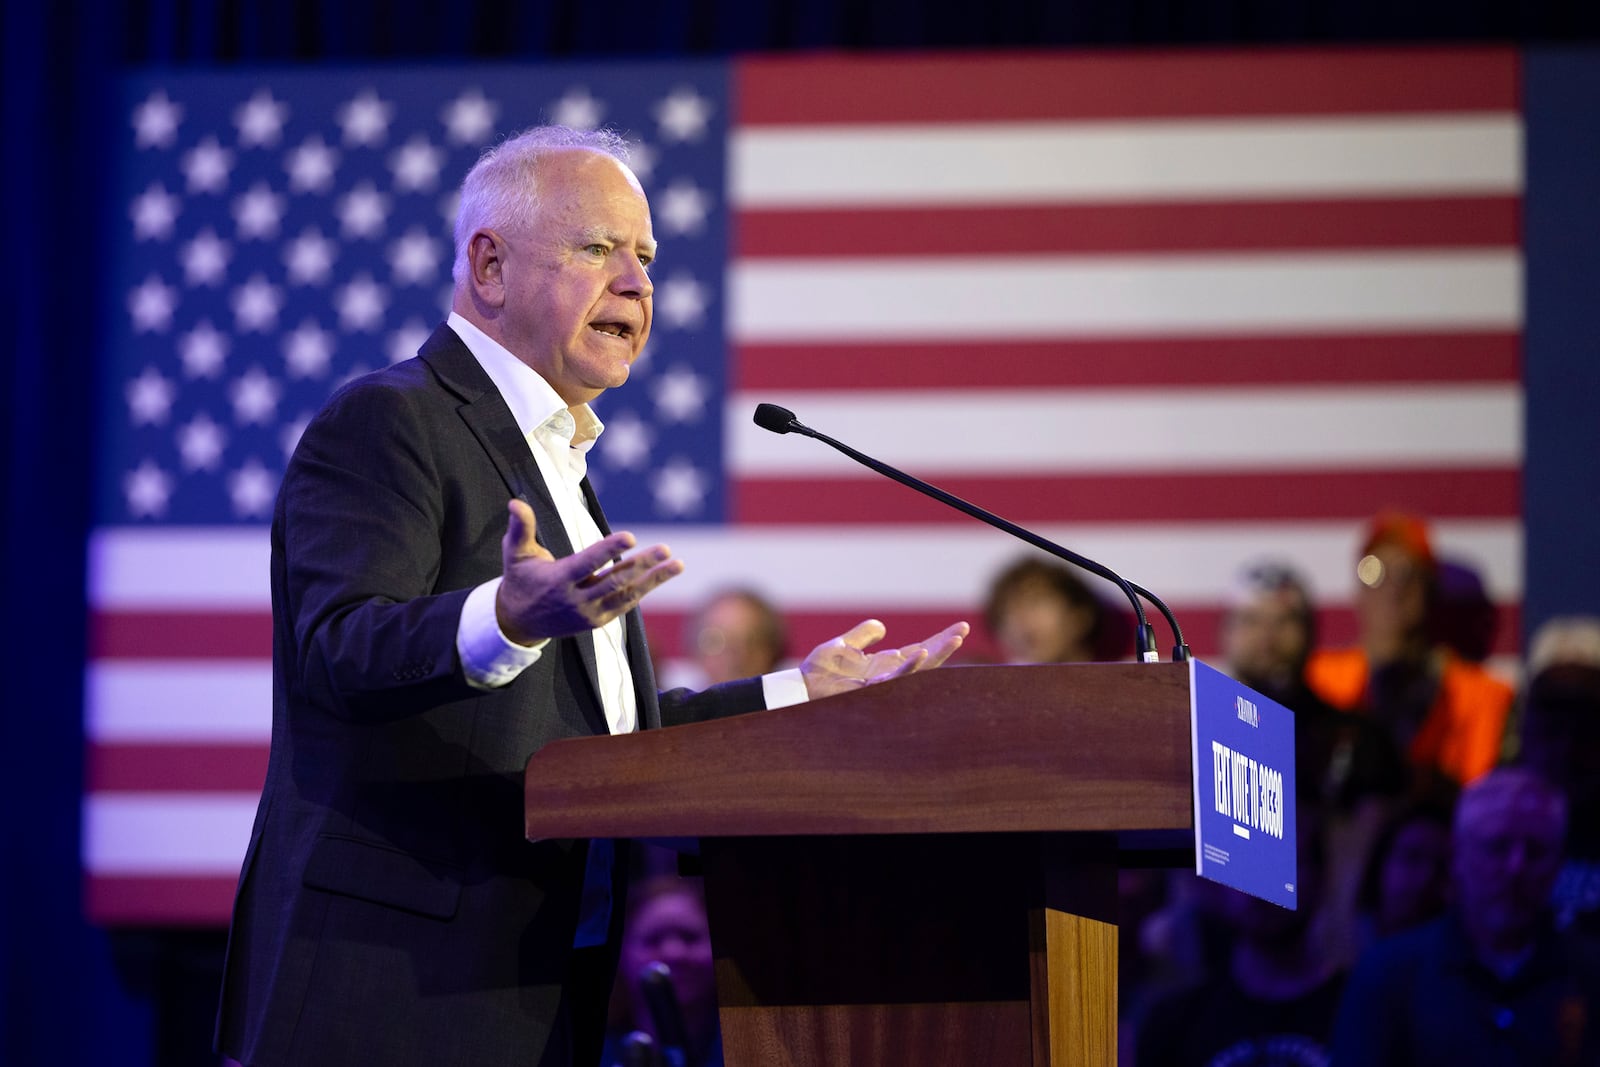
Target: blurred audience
column 1559, row 738
column 1268, row 635
column 1490, row 982
column 1447, row 713
column 666, row 923
column 1273, row 998
column 1040, row 611
column 1406, row 880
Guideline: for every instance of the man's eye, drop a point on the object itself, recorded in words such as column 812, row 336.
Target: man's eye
column 598, row 250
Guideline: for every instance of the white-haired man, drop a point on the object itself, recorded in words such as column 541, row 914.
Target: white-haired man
column 447, row 598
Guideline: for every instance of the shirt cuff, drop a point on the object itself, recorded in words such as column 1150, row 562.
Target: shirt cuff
column 783, row 689
column 489, row 659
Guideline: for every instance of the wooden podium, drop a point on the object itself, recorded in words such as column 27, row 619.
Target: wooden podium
column 922, row 872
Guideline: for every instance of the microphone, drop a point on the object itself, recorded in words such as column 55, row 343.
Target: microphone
column 782, row 420
column 655, row 980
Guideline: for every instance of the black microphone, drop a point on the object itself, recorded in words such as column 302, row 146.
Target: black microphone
column 655, row 980
column 782, row 420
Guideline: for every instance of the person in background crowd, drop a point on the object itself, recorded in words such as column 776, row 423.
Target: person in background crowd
column 1268, row 634
column 1039, row 611
column 1464, row 619
column 1491, row 982
column 1447, row 714
column 1559, row 739
column 666, row 924
column 738, row 633
column 1406, row 880
column 1272, row 1000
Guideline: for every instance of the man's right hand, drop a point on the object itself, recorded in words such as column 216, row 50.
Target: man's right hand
column 542, row 597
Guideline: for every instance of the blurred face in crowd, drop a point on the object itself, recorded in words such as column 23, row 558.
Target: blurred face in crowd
column 1037, row 624
column 1508, row 846
column 1266, row 639
column 1391, row 601
column 1414, row 876
column 735, row 640
column 671, row 929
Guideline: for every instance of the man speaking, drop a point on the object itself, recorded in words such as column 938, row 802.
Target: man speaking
column 447, row 597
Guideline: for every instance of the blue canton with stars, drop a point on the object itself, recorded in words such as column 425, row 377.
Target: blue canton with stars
column 278, row 233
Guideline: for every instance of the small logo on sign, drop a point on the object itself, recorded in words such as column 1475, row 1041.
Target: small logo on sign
column 1247, row 711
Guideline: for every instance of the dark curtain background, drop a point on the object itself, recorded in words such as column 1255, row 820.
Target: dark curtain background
column 76, row 995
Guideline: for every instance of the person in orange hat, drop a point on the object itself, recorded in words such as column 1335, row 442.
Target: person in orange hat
column 1449, row 715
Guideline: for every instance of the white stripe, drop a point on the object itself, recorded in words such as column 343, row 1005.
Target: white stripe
column 166, row 833
column 1059, row 162
column 868, row 565
column 1189, row 429
column 133, row 701
column 997, row 298
column 223, row 567
column 874, row 568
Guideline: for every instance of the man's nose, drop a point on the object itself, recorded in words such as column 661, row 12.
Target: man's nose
column 632, row 280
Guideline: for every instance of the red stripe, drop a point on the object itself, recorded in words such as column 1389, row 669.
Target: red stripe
column 180, row 634
column 176, row 768
column 151, row 901
column 1289, row 360
column 813, row 90
column 1202, row 628
column 1456, row 222
column 1141, row 497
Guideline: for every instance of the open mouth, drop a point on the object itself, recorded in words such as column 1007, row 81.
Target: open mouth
column 613, row 329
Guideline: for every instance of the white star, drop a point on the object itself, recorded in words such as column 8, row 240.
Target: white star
column 362, row 211
column 260, row 120
column 252, row 488
column 366, row 119
column 309, row 257
column 577, row 109
column 155, row 122
column 153, row 213
column 200, row 443
column 150, row 398
column 679, row 488
column 449, row 205
column 681, row 301
column 203, row 350
column 416, row 165
column 147, row 488
column 682, row 208
column 683, row 115
column 255, row 397
column 414, row 258
column 151, row 304
column 205, row 259
column 311, row 166
column 290, row 435
column 626, row 442
column 206, row 166
column 641, row 160
column 307, row 350
column 361, row 304
column 679, row 394
column 258, row 212
column 256, row 304
column 470, row 117
column 405, row 341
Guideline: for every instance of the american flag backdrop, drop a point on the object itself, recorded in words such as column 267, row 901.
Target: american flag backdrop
column 1179, row 312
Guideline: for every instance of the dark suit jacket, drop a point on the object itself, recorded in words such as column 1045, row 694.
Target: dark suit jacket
column 389, row 910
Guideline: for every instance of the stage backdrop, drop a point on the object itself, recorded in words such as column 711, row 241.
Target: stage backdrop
column 1179, row 312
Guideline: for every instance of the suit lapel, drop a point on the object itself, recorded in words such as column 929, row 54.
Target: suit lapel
column 485, row 413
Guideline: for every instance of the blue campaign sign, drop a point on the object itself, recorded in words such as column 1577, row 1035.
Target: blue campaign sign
column 1244, row 812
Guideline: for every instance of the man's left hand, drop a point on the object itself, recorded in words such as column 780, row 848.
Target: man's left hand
column 843, row 664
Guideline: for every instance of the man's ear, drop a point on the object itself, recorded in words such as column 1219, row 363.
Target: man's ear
column 485, row 266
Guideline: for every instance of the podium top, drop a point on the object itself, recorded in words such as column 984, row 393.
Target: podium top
column 1092, row 747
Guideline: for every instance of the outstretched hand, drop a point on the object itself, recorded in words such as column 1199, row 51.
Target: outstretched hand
column 843, row 664
column 542, row 597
